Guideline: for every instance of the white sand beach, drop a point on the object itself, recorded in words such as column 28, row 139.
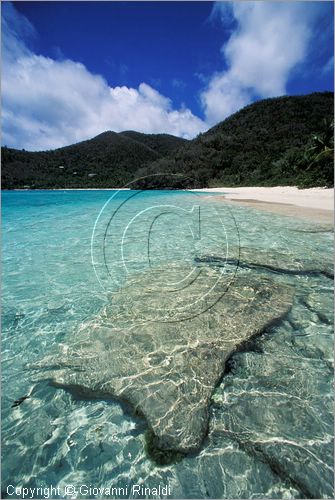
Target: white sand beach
column 316, row 204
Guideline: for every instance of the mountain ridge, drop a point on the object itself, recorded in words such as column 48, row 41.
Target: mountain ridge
column 110, row 158
column 284, row 140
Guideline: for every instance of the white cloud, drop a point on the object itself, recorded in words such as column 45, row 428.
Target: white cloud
column 329, row 66
column 223, row 96
column 50, row 103
column 270, row 39
column 15, row 28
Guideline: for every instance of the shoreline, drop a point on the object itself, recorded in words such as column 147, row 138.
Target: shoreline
column 315, row 204
column 69, row 189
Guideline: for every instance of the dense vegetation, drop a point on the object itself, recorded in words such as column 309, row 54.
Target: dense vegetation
column 279, row 141
column 110, row 159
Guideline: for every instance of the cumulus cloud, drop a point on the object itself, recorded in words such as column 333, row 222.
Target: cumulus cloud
column 50, row 103
column 268, row 41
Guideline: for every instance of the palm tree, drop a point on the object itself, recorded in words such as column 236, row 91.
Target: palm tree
column 322, row 144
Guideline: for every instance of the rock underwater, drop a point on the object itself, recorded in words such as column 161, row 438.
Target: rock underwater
column 163, row 349
column 274, row 261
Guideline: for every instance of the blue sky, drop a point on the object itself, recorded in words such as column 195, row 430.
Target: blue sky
column 74, row 69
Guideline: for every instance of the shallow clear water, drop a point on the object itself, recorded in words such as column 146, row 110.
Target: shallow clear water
column 65, row 253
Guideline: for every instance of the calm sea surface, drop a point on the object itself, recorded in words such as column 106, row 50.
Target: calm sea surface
column 271, row 419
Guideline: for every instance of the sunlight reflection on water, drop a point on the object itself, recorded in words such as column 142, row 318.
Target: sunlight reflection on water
column 271, row 422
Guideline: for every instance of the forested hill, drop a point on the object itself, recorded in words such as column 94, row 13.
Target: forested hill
column 110, row 159
column 279, row 141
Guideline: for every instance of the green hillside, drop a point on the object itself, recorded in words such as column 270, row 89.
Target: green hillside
column 110, row 159
column 280, row 141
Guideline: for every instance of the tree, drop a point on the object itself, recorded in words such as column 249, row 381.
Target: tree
column 323, row 142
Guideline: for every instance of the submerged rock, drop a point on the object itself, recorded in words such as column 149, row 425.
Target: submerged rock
column 280, row 416
column 271, row 261
column 162, row 346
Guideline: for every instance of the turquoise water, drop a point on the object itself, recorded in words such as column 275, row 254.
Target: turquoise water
column 65, row 253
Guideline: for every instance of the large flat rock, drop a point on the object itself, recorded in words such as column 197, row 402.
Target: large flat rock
column 162, row 347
